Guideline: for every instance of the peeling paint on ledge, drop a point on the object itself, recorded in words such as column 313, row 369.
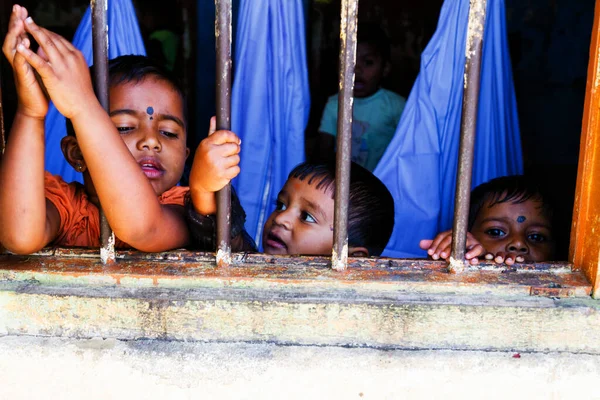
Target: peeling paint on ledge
column 456, row 266
column 261, row 271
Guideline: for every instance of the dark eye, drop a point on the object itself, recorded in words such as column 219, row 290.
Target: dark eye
column 369, row 62
column 169, row 134
column 124, row 129
column 306, row 217
column 279, row 206
column 536, row 237
column 495, row 232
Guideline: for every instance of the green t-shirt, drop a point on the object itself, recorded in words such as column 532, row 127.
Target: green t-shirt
column 374, row 123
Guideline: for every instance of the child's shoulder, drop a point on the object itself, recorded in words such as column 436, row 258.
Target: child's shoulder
column 392, row 97
column 391, row 103
column 176, row 195
column 66, row 197
column 57, row 183
column 333, row 99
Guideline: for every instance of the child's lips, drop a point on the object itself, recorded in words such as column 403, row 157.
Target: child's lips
column 275, row 242
column 151, row 167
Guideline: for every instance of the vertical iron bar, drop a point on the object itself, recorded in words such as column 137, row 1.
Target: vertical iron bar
column 348, row 25
column 100, row 50
column 223, row 48
column 473, row 53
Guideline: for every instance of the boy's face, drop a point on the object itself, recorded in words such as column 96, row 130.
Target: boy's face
column 519, row 228
column 302, row 222
column 149, row 116
column 370, row 70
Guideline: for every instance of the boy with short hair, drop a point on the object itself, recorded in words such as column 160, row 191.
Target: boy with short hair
column 510, row 220
column 302, row 222
column 376, row 111
column 135, row 156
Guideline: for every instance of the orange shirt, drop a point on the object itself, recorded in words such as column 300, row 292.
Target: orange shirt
column 80, row 219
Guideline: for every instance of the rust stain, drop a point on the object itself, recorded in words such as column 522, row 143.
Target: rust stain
column 558, row 292
column 259, row 270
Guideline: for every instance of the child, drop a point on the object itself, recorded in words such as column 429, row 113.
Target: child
column 376, row 111
column 133, row 156
column 303, row 220
column 510, row 221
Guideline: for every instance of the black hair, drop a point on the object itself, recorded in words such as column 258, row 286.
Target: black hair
column 136, row 68
column 371, row 205
column 515, row 189
column 374, row 35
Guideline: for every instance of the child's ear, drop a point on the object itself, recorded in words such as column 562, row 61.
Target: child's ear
column 187, row 152
column 72, row 153
column 358, row 252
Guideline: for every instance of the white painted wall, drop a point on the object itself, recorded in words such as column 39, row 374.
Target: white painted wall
column 55, row 368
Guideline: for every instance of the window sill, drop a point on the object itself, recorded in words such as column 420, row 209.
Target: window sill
column 382, row 303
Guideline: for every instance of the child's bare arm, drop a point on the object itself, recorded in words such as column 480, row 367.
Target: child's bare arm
column 130, row 203
column 28, row 221
column 441, row 247
column 216, row 163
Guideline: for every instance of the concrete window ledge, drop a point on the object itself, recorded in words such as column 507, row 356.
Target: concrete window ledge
column 376, row 303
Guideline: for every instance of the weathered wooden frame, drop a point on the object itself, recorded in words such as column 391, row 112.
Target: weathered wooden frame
column 585, row 231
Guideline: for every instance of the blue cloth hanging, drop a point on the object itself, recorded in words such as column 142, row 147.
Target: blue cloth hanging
column 270, row 102
column 124, row 37
column 419, row 166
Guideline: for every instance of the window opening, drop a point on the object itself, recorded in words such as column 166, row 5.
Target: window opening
column 545, row 275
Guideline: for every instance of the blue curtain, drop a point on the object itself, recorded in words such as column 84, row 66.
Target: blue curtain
column 270, row 102
column 124, row 37
column 419, row 166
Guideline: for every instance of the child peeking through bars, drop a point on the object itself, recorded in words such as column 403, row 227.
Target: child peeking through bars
column 302, row 222
column 510, row 220
column 131, row 158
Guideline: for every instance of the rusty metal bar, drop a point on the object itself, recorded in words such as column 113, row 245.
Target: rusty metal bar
column 100, row 49
column 223, row 47
column 339, row 256
column 468, row 126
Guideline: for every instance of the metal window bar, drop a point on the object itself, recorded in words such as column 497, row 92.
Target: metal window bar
column 223, row 99
column 468, row 126
column 348, row 27
column 100, row 50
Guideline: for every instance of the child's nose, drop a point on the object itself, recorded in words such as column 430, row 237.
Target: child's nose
column 150, row 140
column 517, row 244
column 284, row 219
